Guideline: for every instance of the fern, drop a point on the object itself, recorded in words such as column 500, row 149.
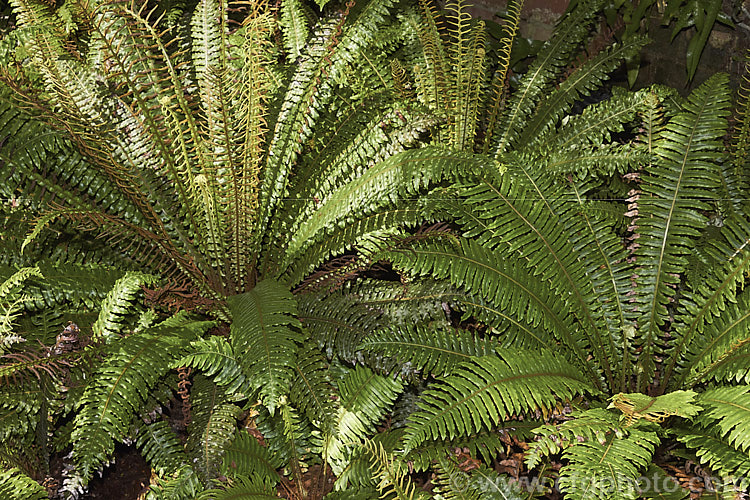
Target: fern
column 246, row 457
column 491, row 389
column 365, row 399
column 435, row 351
column 15, row 485
column 110, row 404
column 117, row 304
column 263, row 329
column 212, row 427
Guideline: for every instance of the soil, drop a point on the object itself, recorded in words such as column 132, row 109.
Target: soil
column 126, row 479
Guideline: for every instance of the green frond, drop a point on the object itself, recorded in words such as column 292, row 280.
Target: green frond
column 331, row 49
column 212, row 427
column 485, row 445
column 581, row 83
column 590, row 425
column 265, row 330
column 182, row 485
column 358, row 473
column 365, row 399
column 311, row 390
column 242, row 489
column 118, row 304
column 160, row 446
column 70, row 284
column 726, row 413
column 216, row 359
column 15, row 485
column 481, row 393
column 246, row 457
column 118, row 388
column 295, row 26
column 722, row 458
column 400, row 176
column 598, row 123
column 541, row 75
column 337, row 321
column 428, row 349
column 612, row 468
column 523, row 304
column 12, row 304
column 669, row 211
column 451, row 482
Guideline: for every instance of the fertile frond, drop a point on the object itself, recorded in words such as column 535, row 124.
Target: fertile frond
column 428, row 349
column 265, row 329
column 482, row 392
column 669, row 211
column 392, row 475
column 120, row 386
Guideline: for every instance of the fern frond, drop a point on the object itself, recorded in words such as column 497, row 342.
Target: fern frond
column 550, row 62
column 713, row 451
column 401, row 175
column 584, row 80
column 212, row 427
column 216, row 359
column 430, row 350
column 160, row 446
column 311, row 390
column 295, row 26
column 120, row 386
column 638, row 406
column 182, row 485
column 485, row 445
column 264, row 329
column 612, row 467
column 117, row 305
column 670, row 217
column 15, row 485
column 482, row 392
column 394, row 481
column 365, row 399
column 246, row 457
column 726, row 412
column 242, row 489
column 527, row 304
